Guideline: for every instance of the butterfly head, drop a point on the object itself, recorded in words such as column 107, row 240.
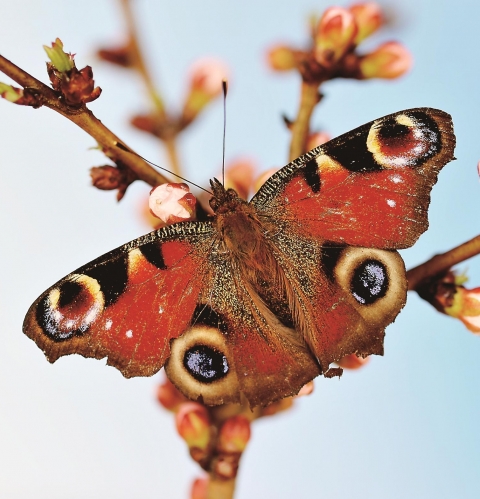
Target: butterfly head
column 223, row 200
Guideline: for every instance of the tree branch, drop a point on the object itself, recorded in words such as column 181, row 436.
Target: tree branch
column 85, row 119
column 442, row 262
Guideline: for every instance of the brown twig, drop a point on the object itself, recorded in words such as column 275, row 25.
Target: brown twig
column 138, row 60
column 442, row 262
column 141, row 67
column 85, row 119
column 301, row 126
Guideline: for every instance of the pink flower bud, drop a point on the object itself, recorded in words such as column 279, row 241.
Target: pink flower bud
column 317, row 139
column 353, row 362
column 239, row 176
column 281, row 58
column 336, row 32
column 199, row 488
column 193, row 425
column 206, row 77
column 465, row 306
column 172, row 203
column 169, row 396
column 234, row 435
column 368, row 17
column 389, row 61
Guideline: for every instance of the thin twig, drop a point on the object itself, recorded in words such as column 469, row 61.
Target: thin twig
column 138, row 59
column 442, row 262
column 85, row 119
column 301, row 126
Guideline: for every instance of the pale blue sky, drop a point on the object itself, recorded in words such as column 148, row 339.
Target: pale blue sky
column 406, row 426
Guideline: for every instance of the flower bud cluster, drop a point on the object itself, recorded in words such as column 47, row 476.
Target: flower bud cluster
column 75, row 85
column 447, row 293
column 333, row 53
column 204, row 85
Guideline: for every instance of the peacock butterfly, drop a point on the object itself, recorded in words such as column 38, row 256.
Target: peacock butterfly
column 265, row 295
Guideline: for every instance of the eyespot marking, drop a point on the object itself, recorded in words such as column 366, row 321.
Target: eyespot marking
column 70, row 308
column 205, row 364
column 369, row 282
column 404, row 140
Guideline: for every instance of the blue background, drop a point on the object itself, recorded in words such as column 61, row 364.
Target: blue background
column 406, row 426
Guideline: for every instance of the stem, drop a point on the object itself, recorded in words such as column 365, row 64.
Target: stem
column 171, row 147
column 442, row 262
column 220, row 489
column 85, row 119
column 141, row 68
column 308, row 100
column 139, row 61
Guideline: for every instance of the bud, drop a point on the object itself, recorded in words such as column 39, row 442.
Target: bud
column 281, row 58
column 206, row 77
column 12, row 94
column 121, row 56
column 466, row 307
column 368, row 17
column 317, row 139
column 172, row 203
column 169, row 396
column 353, row 362
column 234, row 435
column 60, row 60
column 193, row 425
column 335, row 34
column 199, row 488
column 389, row 61
column 109, row 177
column 146, row 122
column 239, row 176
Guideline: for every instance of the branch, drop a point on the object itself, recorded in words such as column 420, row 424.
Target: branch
column 301, row 126
column 85, row 119
column 443, row 262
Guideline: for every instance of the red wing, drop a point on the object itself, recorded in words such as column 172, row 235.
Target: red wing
column 128, row 304
column 370, row 187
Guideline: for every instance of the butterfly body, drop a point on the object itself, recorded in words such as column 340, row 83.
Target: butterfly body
column 263, row 296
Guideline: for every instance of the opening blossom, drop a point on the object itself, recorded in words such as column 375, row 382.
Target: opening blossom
column 172, row 203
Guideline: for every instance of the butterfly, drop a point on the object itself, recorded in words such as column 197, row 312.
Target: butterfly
column 265, row 295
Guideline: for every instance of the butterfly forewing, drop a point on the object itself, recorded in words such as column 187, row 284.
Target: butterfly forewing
column 370, row 187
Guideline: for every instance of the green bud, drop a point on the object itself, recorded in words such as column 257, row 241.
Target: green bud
column 9, row 93
column 60, row 60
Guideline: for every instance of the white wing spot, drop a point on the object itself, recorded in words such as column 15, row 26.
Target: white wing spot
column 129, row 333
column 396, row 179
column 161, row 310
column 108, row 324
column 391, row 203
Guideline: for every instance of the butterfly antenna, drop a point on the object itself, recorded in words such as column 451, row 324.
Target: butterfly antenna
column 224, row 88
column 126, row 149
